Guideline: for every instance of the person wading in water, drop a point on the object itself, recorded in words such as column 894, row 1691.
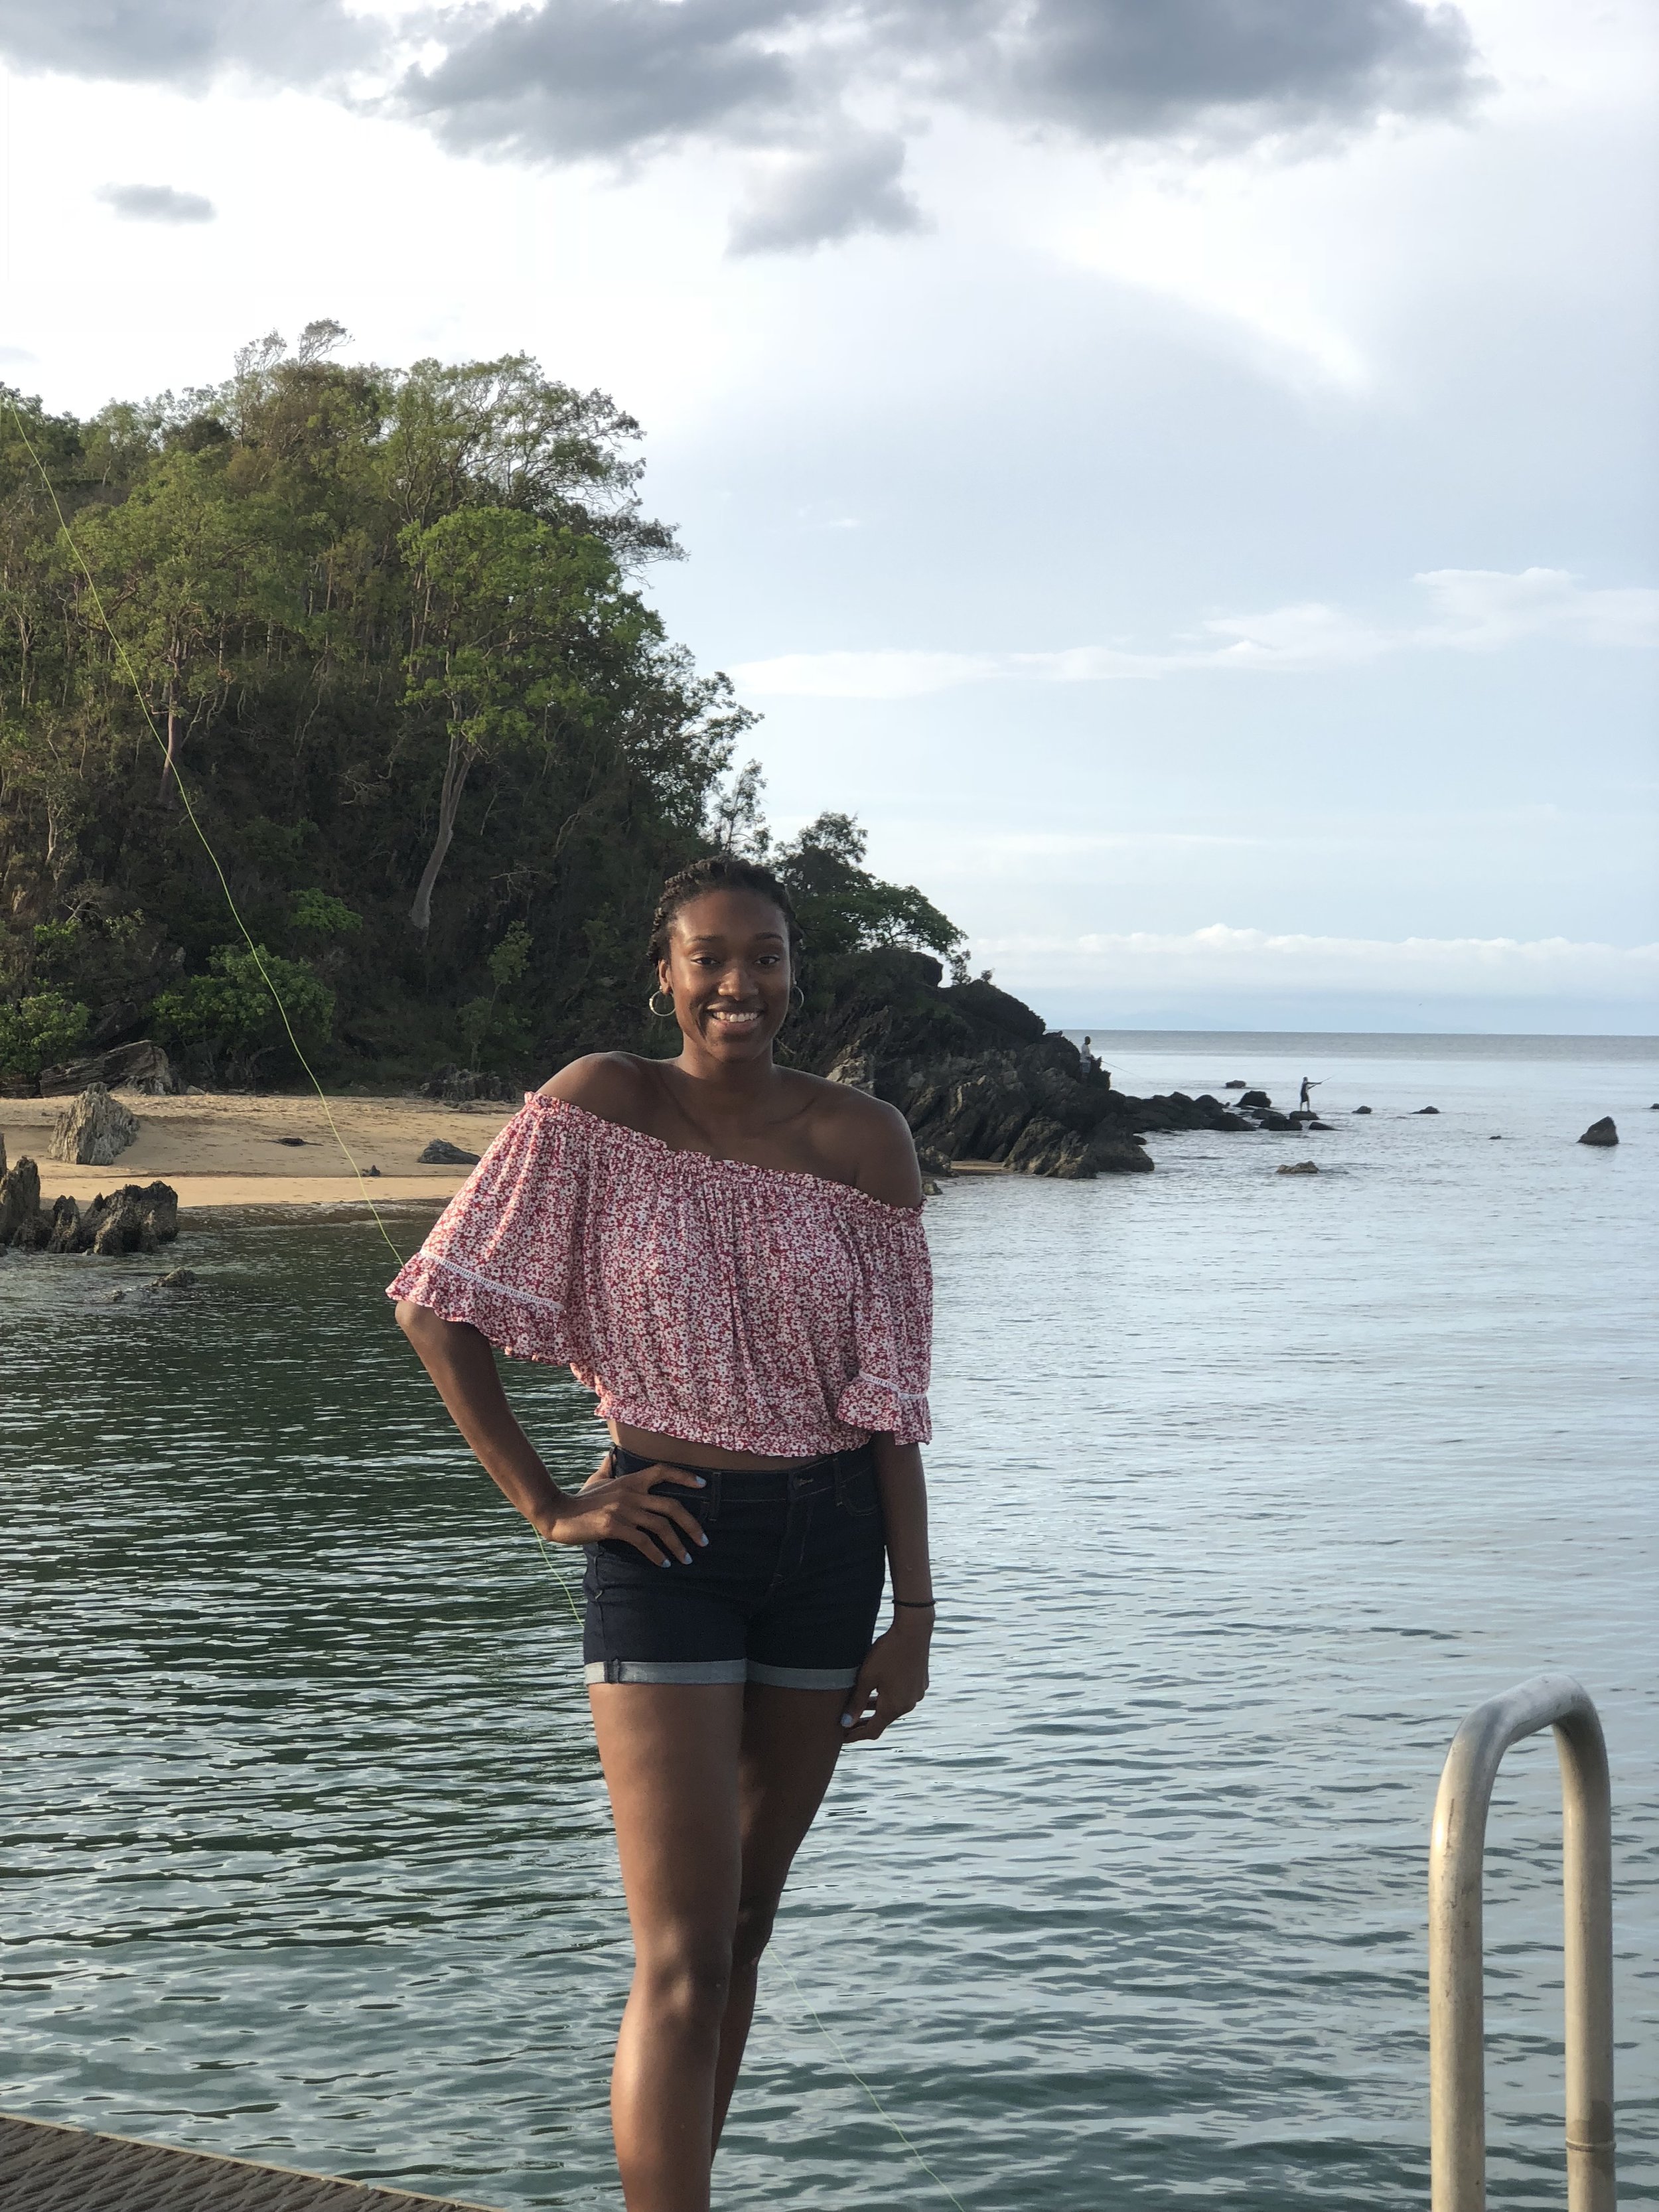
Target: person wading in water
column 731, row 1254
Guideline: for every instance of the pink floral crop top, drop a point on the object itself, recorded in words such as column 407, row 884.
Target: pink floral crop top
column 753, row 1309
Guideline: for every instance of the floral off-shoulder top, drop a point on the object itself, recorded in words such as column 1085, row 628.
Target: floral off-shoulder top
column 752, row 1309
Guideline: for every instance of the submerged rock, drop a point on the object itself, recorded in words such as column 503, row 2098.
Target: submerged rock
column 177, row 1279
column 1270, row 1120
column 1604, row 1131
column 1301, row 1167
column 1362, row 1110
column 1428, row 1109
column 94, row 1131
column 441, row 1153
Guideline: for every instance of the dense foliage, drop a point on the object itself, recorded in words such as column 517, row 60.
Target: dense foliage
column 378, row 632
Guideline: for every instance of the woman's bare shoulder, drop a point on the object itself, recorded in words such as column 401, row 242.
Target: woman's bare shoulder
column 869, row 1140
column 614, row 1086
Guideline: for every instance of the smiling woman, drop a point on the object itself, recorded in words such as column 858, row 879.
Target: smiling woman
column 731, row 1254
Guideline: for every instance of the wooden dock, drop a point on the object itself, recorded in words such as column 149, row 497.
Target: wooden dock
column 46, row 2168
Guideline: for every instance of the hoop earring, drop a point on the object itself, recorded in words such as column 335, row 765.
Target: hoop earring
column 662, row 1013
column 797, row 997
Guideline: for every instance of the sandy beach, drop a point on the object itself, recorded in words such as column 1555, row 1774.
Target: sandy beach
column 219, row 1148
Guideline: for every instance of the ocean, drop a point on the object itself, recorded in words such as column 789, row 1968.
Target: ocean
column 1247, row 1488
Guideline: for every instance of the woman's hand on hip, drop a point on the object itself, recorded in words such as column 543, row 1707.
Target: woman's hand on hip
column 892, row 1681
column 621, row 1510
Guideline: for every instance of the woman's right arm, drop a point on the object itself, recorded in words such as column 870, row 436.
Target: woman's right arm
column 463, row 1366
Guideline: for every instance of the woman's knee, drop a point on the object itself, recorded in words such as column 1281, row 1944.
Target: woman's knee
column 753, row 1932
column 686, row 1976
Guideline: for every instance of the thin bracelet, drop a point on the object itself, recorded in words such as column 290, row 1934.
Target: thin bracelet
column 917, row 1604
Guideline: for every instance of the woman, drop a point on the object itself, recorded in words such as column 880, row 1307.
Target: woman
column 731, row 1254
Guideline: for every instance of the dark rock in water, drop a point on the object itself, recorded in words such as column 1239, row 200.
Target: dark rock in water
column 179, row 1279
column 94, row 1131
column 138, row 1217
column 460, row 1086
column 20, row 1204
column 1362, row 1110
column 1044, row 1148
column 1118, row 1156
column 1428, row 1109
column 1497, row 1138
column 1257, row 1098
column 141, row 1065
column 441, row 1153
column 1301, row 1167
column 1601, row 1132
column 288, row 1140
column 1325, row 1126
column 66, row 1235
column 1237, row 1084
column 1277, row 1121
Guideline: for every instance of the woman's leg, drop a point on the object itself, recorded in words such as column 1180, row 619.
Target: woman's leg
column 790, row 1742
column 672, row 1756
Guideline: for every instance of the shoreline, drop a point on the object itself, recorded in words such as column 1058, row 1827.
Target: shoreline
column 222, row 1149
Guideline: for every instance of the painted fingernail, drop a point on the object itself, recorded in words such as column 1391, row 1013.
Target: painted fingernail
column 702, row 1538
column 701, row 1484
column 664, row 1563
column 846, row 1720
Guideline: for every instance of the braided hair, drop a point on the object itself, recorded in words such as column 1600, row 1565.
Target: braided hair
column 719, row 872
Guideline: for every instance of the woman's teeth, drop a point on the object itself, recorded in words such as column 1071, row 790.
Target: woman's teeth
column 732, row 1021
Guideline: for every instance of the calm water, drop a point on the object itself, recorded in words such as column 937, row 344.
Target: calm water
column 1248, row 1488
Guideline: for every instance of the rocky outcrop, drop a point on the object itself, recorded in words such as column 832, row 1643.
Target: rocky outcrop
column 441, row 1153
column 20, row 1205
column 1299, row 1167
column 1604, row 1132
column 138, row 1217
column 138, row 1067
column 979, row 1077
column 94, row 1131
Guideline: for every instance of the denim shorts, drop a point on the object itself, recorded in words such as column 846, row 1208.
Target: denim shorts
column 785, row 1590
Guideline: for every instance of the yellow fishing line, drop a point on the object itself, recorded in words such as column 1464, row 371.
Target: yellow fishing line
column 190, row 811
column 944, row 2186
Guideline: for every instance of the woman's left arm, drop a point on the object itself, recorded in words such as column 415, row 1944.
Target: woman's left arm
column 893, row 1679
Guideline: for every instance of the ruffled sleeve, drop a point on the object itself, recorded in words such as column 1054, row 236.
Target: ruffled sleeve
column 505, row 1252
column 892, row 1326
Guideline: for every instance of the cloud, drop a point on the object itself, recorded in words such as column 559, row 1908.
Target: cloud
column 1473, row 611
column 185, row 42
column 157, row 204
column 814, row 199
column 825, row 92
column 1223, row 959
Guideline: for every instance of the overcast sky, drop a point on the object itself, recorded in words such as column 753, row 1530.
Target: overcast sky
column 1183, row 473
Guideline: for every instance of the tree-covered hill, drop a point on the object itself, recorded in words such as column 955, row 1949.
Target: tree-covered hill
column 380, row 631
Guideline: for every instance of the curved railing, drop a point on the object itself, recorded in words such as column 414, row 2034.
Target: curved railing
column 1456, row 2027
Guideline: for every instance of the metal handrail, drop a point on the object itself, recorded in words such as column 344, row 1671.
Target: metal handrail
column 1457, row 2087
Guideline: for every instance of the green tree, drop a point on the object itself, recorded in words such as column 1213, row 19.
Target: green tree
column 38, row 1030
column 251, row 1004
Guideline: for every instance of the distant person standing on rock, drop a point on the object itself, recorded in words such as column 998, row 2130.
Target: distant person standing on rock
column 1304, row 1105
column 731, row 1254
